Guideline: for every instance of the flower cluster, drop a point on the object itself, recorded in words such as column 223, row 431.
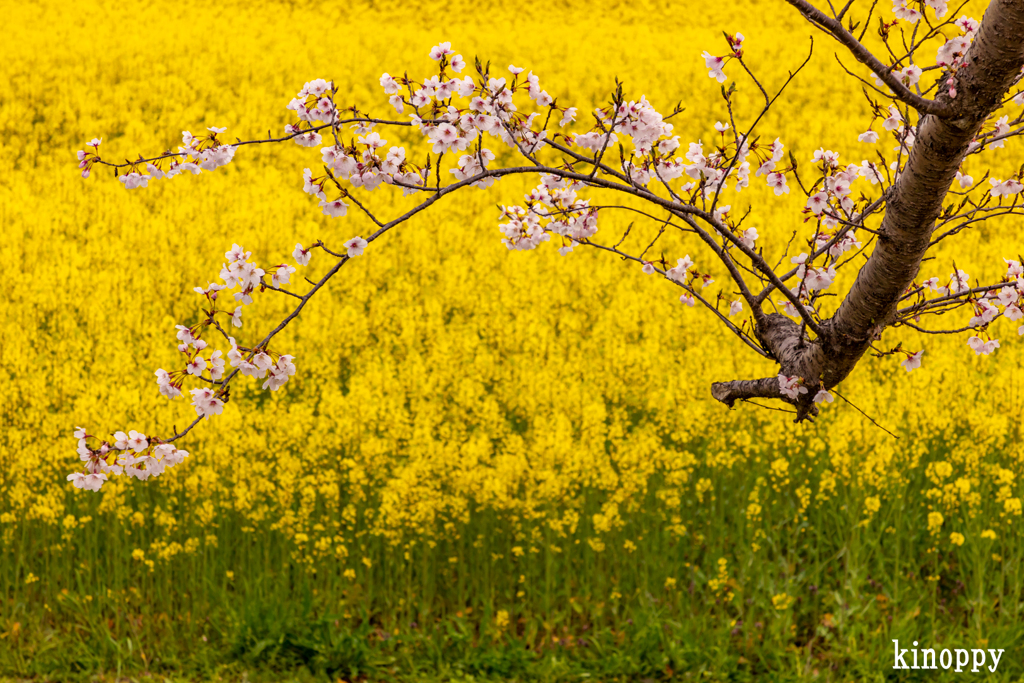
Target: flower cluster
column 130, row 454
column 241, row 273
column 551, row 207
column 952, row 55
column 716, row 64
column 197, row 154
column 86, row 158
column 792, row 386
column 261, row 364
column 986, row 305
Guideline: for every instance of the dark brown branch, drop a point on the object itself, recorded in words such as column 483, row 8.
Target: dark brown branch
column 743, row 389
column 995, row 59
column 864, row 56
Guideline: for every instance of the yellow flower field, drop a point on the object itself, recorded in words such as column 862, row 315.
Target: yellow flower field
column 524, row 440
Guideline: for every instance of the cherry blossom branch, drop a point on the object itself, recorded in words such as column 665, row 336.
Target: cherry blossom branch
column 928, row 304
column 260, row 141
column 183, row 432
column 921, row 329
column 970, row 218
column 761, row 115
column 744, row 389
column 912, row 200
column 282, row 290
column 691, row 291
column 840, row 234
column 864, row 56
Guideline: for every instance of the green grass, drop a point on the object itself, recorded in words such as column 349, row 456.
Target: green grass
column 577, row 614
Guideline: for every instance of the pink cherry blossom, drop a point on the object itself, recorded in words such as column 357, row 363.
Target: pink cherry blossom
column 335, row 209
column 820, row 278
column 89, row 482
column 959, row 282
column 263, row 362
column 281, row 276
column 909, row 75
column 133, row 180
column 444, row 137
column 167, row 387
column 714, row 66
column 827, row 157
column 913, row 360
column 791, row 386
column 372, row 140
column 196, row 366
column 967, row 24
column 984, row 314
column 1001, row 129
column 983, row 348
column 210, row 291
column 778, row 182
column 237, row 253
column 748, row 237
column 205, row 403
column 894, row 120
column 678, row 271
column 1003, row 188
column 279, row 373
column 137, row 441
column 216, row 365
column 309, row 139
column 905, row 13
column 301, row 255
column 355, row 246
column 441, row 50
column 389, row 84
column 817, row 203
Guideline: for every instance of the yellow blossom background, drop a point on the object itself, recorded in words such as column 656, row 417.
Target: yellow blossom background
column 469, row 428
